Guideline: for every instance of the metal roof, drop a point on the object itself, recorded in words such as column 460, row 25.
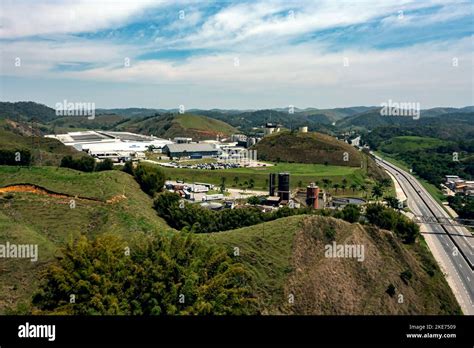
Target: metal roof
column 191, row 147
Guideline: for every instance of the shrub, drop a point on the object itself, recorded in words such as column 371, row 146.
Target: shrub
column 150, row 178
column 106, row 164
column 391, row 290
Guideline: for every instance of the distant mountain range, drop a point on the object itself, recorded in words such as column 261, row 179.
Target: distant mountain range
column 372, row 119
column 323, row 120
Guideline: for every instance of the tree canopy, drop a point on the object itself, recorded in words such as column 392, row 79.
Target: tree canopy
column 155, row 275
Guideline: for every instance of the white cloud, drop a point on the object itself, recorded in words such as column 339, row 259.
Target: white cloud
column 260, row 34
column 32, row 18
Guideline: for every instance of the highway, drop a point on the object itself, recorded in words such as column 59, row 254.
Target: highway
column 451, row 246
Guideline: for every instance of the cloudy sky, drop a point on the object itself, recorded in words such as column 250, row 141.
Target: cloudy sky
column 237, row 54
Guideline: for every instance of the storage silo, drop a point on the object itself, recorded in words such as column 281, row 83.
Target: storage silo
column 284, row 186
column 312, row 195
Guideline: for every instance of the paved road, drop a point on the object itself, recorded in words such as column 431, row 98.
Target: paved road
column 454, row 252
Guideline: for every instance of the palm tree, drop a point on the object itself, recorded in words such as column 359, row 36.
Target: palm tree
column 236, row 180
column 386, row 182
column 363, row 188
column 343, row 187
column 353, row 187
column 222, row 187
column 336, row 186
column 326, row 183
column 377, row 191
column 251, row 183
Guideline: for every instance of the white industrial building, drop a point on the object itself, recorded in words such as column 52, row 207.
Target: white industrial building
column 114, row 145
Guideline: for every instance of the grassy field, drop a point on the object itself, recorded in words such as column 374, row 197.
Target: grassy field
column 96, row 185
column 305, row 173
column 266, row 251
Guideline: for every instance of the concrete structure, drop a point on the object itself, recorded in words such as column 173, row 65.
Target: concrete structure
column 303, row 129
column 271, row 128
column 273, row 201
column 238, row 137
column 191, row 150
column 312, row 196
column 284, row 186
column 251, row 142
column 182, row 140
column 272, row 184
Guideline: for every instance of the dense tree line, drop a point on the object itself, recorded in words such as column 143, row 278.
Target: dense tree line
column 432, row 164
column 150, row 177
column 182, row 215
column 391, row 220
column 463, row 205
column 156, row 275
column 86, row 164
column 191, row 217
column 351, row 213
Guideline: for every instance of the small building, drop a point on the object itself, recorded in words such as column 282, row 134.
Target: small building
column 452, row 178
column 271, row 128
column 238, row 137
column 273, row 201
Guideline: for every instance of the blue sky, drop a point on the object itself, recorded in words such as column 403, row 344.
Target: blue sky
column 237, row 54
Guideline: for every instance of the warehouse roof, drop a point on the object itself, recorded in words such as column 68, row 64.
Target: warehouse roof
column 201, row 147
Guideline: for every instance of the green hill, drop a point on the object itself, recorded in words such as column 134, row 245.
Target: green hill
column 403, row 144
column 185, row 125
column 73, row 124
column 105, row 202
column 286, row 257
column 18, row 136
column 307, row 148
column 24, row 111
